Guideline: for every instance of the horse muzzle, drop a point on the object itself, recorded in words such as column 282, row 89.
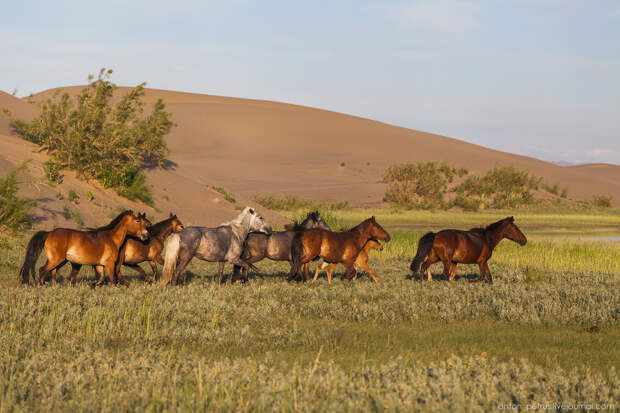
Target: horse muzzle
column 387, row 239
column 144, row 235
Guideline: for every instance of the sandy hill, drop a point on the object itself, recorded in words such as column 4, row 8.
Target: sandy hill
column 261, row 147
column 193, row 202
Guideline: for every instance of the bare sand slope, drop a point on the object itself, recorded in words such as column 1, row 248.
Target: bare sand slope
column 262, row 147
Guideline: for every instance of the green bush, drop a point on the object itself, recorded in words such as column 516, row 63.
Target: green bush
column 292, row 203
column 14, row 210
column 421, row 185
column 552, row 189
column 99, row 139
column 602, row 201
column 73, row 197
column 501, row 187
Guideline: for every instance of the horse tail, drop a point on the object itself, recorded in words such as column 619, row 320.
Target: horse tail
column 33, row 250
column 297, row 252
column 170, row 258
column 425, row 245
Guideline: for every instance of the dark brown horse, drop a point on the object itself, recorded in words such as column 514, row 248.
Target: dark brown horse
column 135, row 251
column 334, row 247
column 98, row 247
column 360, row 262
column 452, row 246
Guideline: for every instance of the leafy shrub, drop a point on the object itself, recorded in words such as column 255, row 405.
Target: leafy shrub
column 602, row 201
column 66, row 213
column 78, row 219
column 73, row 197
column 52, row 171
column 501, row 187
column 552, row 189
column 90, row 196
column 564, row 193
column 421, row 185
column 101, row 140
column 14, row 210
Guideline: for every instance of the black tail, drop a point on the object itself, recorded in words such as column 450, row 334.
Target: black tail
column 297, row 251
column 33, row 250
column 425, row 245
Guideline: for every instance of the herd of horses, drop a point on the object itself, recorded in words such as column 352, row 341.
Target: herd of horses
column 131, row 239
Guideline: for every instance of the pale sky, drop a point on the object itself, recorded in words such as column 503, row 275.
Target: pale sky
column 535, row 77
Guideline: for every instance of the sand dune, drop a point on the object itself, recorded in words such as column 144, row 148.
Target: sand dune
column 261, row 147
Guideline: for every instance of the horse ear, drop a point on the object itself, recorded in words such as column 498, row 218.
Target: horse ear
column 251, row 210
column 512, row 219
column 171, row 215
column 373, row 218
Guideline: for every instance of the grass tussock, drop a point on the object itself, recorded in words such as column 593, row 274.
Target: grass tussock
column 14, row 209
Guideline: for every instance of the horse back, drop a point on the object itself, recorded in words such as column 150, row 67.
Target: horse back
column 460, row 246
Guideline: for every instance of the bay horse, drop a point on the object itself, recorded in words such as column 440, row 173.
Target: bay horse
column 135, row 251
column 334, row 247
column 452, row 246
column 360, row 262
column 98, row 247
column 277, row 245
column 223, row 243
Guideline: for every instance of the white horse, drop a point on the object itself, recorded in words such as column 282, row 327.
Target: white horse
column 223, row 243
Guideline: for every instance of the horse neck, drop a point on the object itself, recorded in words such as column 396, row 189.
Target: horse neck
column 241, row 229
column 164, row 229
column 118, row 233
column 496, row 236
column 363, row 235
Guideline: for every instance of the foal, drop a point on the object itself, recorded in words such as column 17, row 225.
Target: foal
column 361, row 261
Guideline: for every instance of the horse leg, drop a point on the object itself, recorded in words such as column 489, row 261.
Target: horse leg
column 75, row 269
column 488, row 272
column 452, row 271
column 47, row 268
column 155, row 270
column 330, row 270
column 220, row 273
column 183, row 258
column 426, row 266
column 140, row 270
column 99, row 270
column 307, row 271
column 319, row 268
column 365, row 266
column 482, row 272
column 350, row 267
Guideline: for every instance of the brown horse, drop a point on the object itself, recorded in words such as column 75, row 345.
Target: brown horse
column 98, row 247
column 452, row 246
column 135, row 251
column 334, row 247
column 360, row 262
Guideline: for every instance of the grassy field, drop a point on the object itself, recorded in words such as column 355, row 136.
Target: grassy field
column 546, row 332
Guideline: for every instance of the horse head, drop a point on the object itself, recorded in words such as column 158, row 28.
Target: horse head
column 177, row 225
column 512, row 231
column 257, row 223
column 137, row 225
column 377, row 231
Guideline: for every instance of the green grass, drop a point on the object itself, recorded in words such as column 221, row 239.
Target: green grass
column 545, row 332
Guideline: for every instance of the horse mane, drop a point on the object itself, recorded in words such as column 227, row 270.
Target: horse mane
column 295, row 226
column 112, row 223
column 360, row 225
column 156, row 229
column 487, row 231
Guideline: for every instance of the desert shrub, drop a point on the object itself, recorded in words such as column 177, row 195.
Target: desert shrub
column 293, row 203
column 420, row 185
column 602, row 201
column 227, row 195
column 78, row 219
column 52, row 171
column 552, row 189
column 73, row 197
column 501, row 187
column 564, row 193
column 66, row 212
column 99, row 139
column 13, row 209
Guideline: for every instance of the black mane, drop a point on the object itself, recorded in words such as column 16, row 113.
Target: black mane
column 112, row 223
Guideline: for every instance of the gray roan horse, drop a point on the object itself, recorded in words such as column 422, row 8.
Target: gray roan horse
column 277, row 246
column 223, row 243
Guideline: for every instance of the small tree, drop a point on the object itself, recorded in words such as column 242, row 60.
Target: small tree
column 13, row 209
column 420, row 185
column 101, row 140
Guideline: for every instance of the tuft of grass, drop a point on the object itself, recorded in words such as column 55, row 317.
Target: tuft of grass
column 52, row 169
column 79, row 223
column 227, row 195
column 602, row 201
column 66, row 212
column 90, row 196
